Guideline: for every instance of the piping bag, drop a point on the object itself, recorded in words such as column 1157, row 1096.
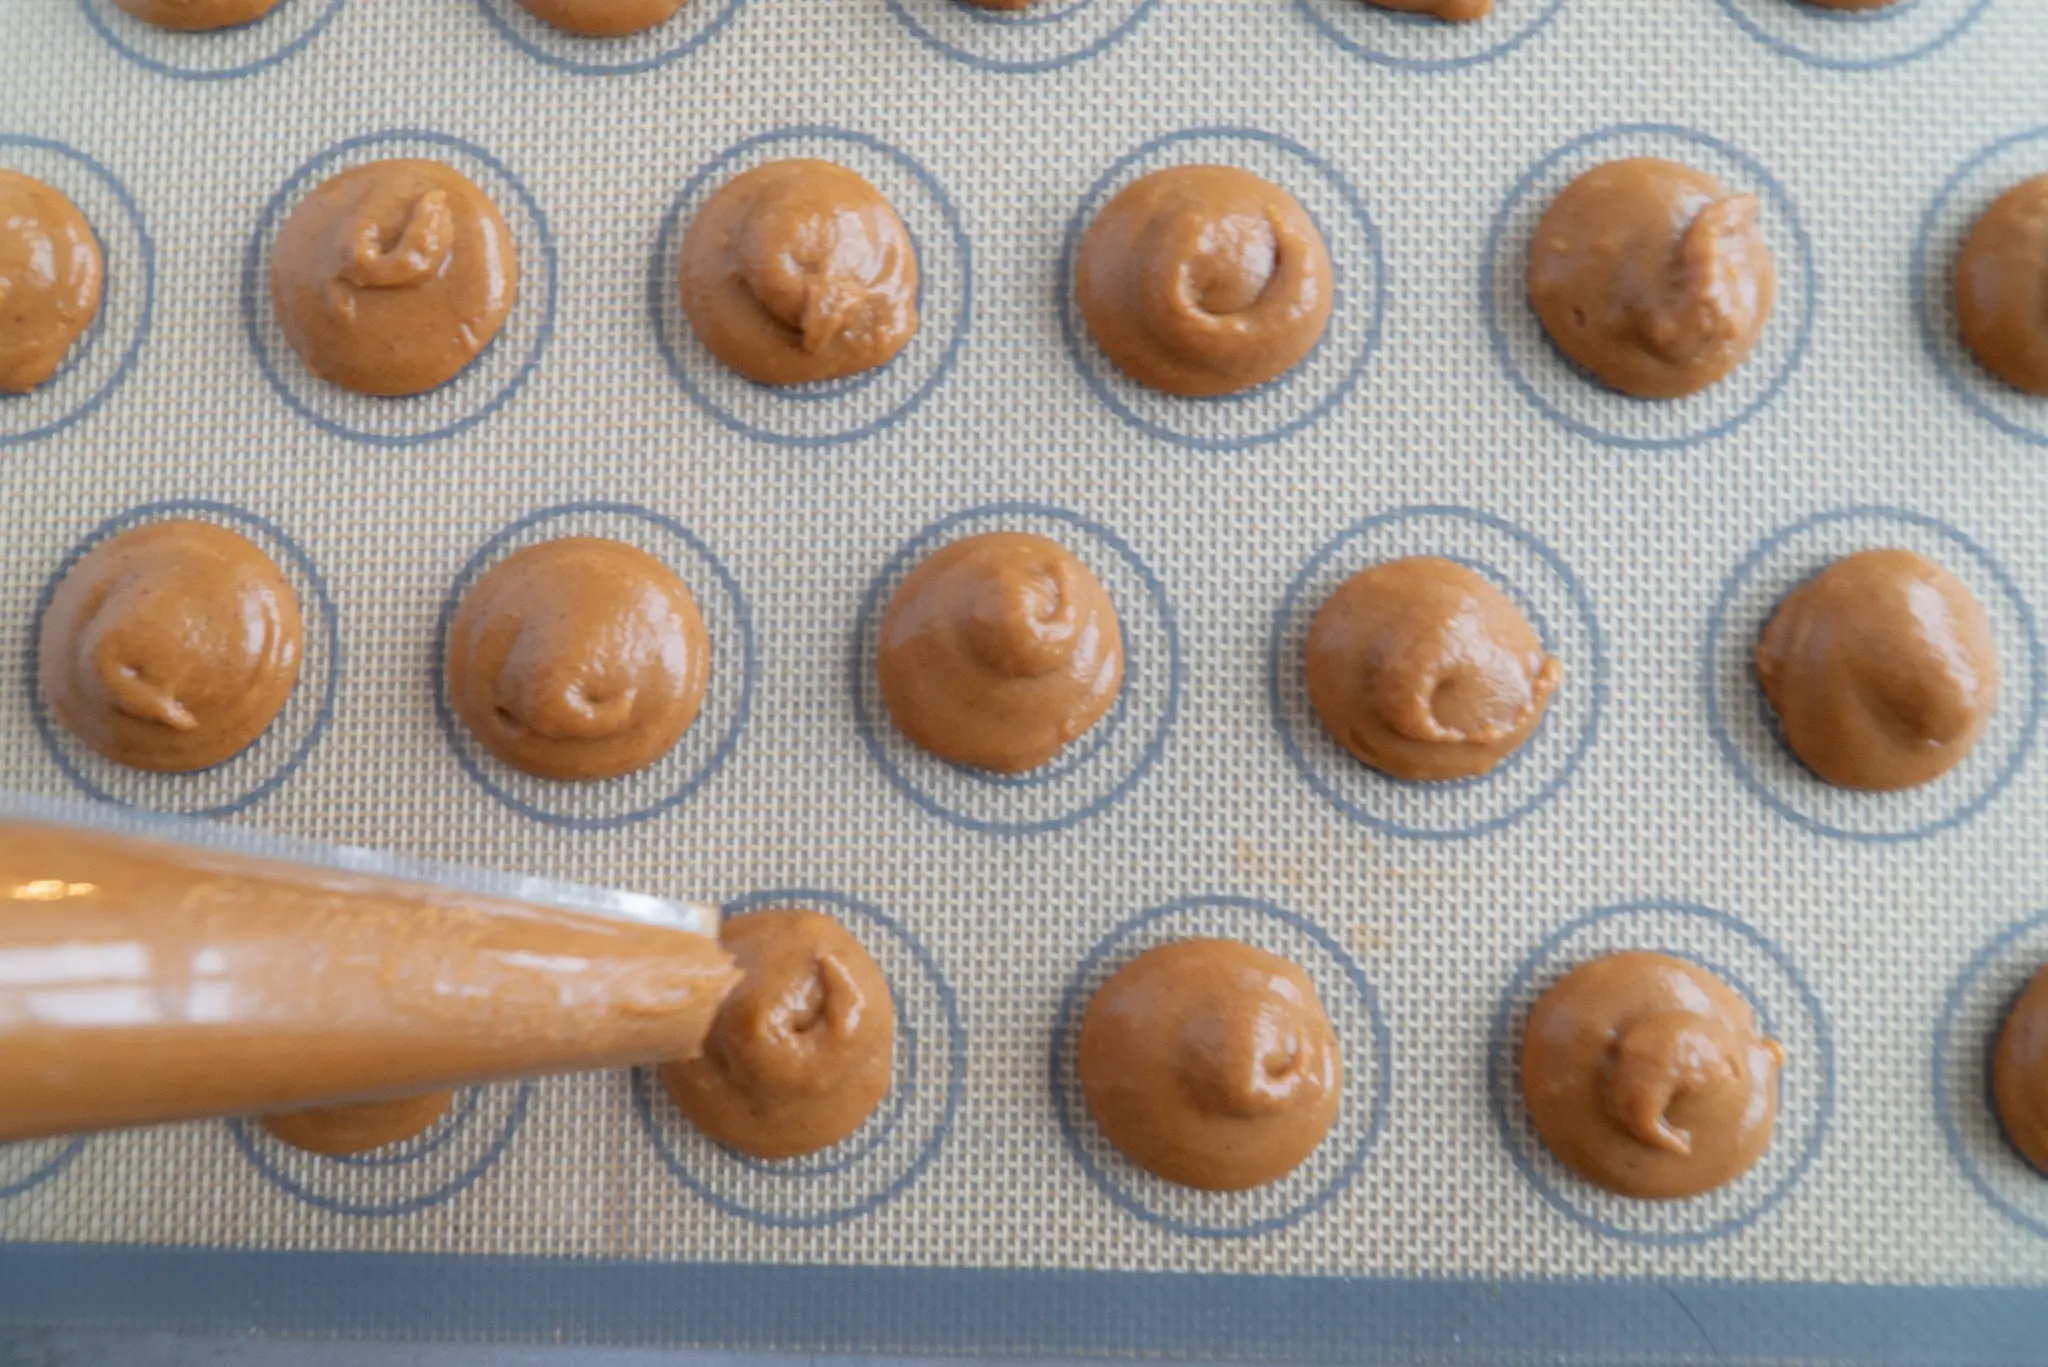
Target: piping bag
column 156, row 969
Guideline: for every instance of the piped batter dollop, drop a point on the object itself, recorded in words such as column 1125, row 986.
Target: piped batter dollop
column 2001, row 287
column 998, row 650
column 1652, row 277
column 1425, row 670
column 391, row 277
column 171, row 646
column 580, row 658
column 1882, row 670
column 1204, row 280
column 803, row 1051
column 1211, row 1063
column 1645, row 1074
column 799, row 271
column 50, row 277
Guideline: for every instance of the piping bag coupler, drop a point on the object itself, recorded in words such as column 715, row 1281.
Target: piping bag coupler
column 156, row 970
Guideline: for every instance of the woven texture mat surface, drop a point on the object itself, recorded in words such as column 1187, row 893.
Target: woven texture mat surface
column 1879, row 935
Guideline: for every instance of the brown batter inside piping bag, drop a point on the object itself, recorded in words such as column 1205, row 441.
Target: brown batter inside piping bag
column 799, row 271
column 1211, row 1063
column 1204, row 280
column 171, row 646
column 1644, row 1074
column 802, row 1051
column 1652, row 277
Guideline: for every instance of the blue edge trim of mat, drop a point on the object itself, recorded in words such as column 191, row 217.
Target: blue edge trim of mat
column 1018, row 1313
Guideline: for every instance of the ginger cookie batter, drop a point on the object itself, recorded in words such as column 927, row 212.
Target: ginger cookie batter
column 2002, row 287
column 1204, row 280
column 2019, row 1073
column 802, row 1051
column 391, row 277
column 242, row 986
column 998, row 650
column 358, row 1128
column 1644, row 1074
column 1881, row 669
column 50, row 273
column 578, row 659
column 1652, row 276
column 171, row 646
column 1210, row 1063
column 602, row 18
column 194, row 16
column 799, row 271
column 1424, row 670
column 1453, row 11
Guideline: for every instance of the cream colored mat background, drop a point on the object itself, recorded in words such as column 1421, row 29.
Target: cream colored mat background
column 1655, row 811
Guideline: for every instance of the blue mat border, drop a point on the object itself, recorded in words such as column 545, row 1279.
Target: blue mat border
column 974, row 1312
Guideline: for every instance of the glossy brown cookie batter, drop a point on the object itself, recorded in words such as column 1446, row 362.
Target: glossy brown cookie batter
column 1424, row 670
column 2019, row 1073
column 1645, row 1075
column 1210, row 1063
column 1203, row 280
column 389, row 278
column 1455, row 11
column 799, row 271
column 1881, row 669
column 2002, row 287
column 576, row 659
column 50, row 272
column 171, row 646
column 803, row 1050
column 602, row 18
column 998, row 650
column 143, row 982
column 194, row 16
column 1652, row 276
column 366, row 1125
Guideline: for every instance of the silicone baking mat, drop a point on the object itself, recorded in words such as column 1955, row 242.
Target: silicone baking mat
column 1879, row 936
